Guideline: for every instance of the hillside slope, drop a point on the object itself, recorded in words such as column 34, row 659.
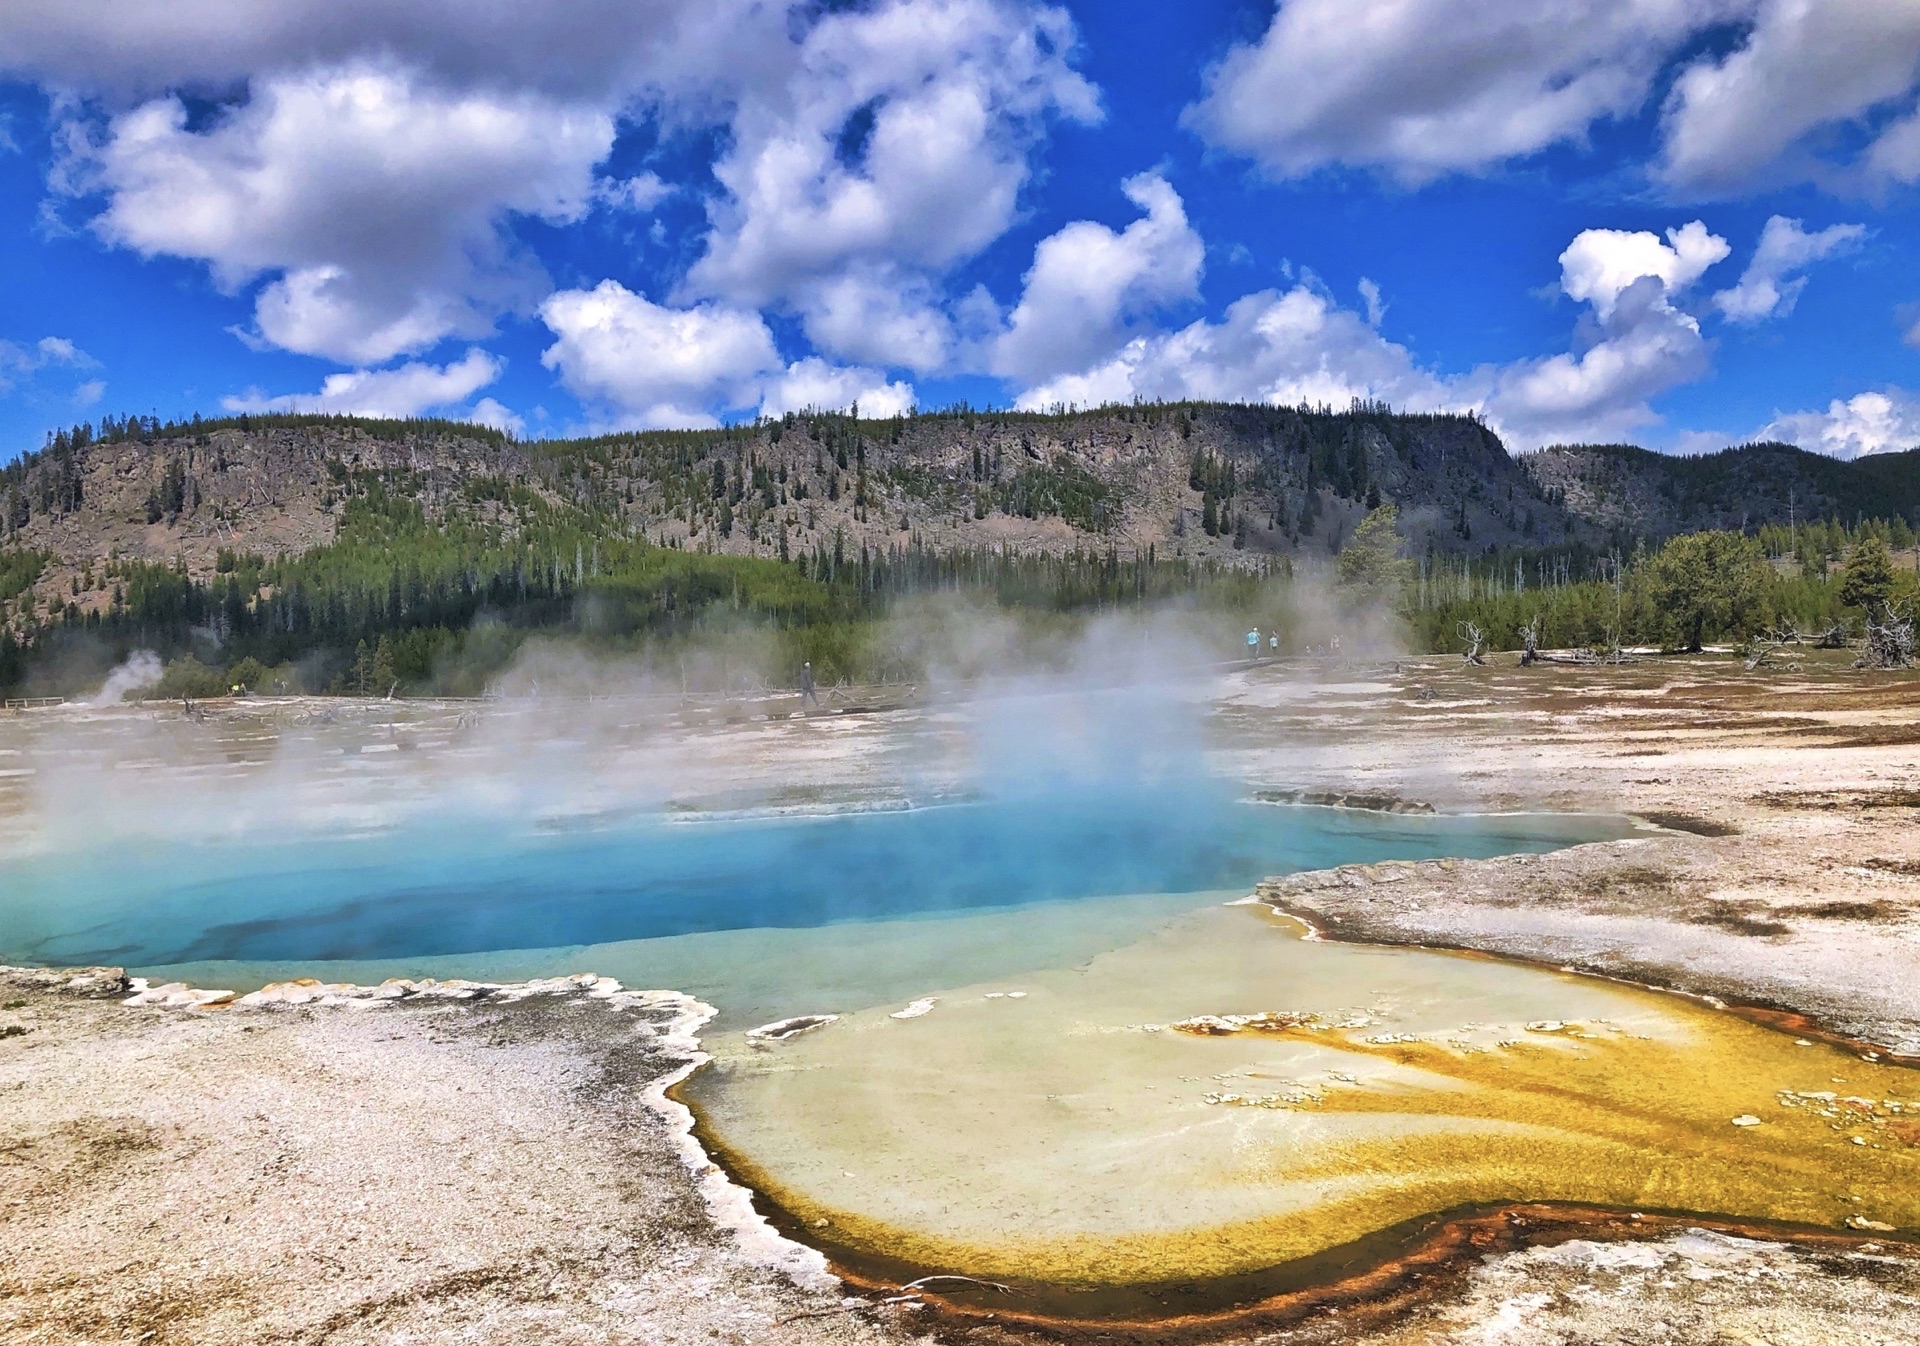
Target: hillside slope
column 1204, row 482
column 1617, row 487
column 267, row 489
column 1197, row 481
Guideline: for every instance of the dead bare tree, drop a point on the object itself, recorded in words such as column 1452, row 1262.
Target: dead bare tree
column 1889, row 642
column 1476, row 642
column 1530, row 642
column 1615, row 652
column 1833, row 638
column 1761, row 650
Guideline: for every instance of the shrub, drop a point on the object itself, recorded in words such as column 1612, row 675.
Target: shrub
column 188, row 678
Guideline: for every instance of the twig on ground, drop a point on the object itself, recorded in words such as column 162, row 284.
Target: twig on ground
column 949, row 1276
column 822, row 1313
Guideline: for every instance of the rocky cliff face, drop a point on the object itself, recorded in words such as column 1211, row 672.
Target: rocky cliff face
column 1219, row 481
column 187, row 496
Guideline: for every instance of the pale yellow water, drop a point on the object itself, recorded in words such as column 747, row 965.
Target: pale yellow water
column 1087, row 1133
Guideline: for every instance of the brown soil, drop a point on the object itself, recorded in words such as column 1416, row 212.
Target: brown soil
column 1435, row 1267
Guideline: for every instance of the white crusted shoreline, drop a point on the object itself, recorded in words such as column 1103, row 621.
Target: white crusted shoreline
column 310, row 991
column 729, row 1204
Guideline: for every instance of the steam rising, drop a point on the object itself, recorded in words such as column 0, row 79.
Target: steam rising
column 141, row 670
column 1098, row 755
column 999, row 701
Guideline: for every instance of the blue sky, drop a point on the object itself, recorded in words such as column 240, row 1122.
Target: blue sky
column 1681, row 223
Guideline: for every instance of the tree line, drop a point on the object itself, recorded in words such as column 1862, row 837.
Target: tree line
column 1711, row 587
column 401, row 601
column 404, row 601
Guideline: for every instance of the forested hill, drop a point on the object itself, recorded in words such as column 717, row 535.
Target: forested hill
column 1200, row 481
column 360, row 555
column 1620, row 488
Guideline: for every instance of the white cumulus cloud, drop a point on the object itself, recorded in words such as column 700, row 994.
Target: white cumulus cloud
column 1273, row 346
column 599, row 49
column 1422, row 88
column 372, row 199
column 647, row 365
column 1376, row 305
column 1300, row 346
column 1088, row 281
column 896, row 148
column 1869, row 422
column 1636, row 343
column 813, row 383
column 22, row 364
column 1807, row 68
column 1601, row 264
column 488, row 411
column 367, row 171
column 640, row 193
column 655, row 366
column 1643, row 346
column 60, row 351
column 879, row 312
column 410, row 389
column 1768, row 287
column 1804, row 90
column 362, row 163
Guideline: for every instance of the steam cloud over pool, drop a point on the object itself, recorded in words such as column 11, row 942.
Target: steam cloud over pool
column 771, row 867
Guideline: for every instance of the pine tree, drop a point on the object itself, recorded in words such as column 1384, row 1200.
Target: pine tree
column 1867, row 581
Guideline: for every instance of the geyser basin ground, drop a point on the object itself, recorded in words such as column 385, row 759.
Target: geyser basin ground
column 1223, row 1098
column 490, row 1193
column 1074, row 1145
column 762, row 916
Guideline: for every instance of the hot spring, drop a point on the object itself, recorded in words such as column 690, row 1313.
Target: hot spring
column 1044, row 1043
column 764, row 913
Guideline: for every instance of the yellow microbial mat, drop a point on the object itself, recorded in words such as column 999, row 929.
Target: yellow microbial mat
column 1225, row 1097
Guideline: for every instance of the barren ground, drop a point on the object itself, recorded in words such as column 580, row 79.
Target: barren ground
column 442, row 1171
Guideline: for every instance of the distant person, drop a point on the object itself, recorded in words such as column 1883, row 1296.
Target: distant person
column 1336, row 644
column 1253, row 644
column 1273, row 644
column 806, row 685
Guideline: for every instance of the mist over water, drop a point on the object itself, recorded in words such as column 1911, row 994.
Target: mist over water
column 1026, row 804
